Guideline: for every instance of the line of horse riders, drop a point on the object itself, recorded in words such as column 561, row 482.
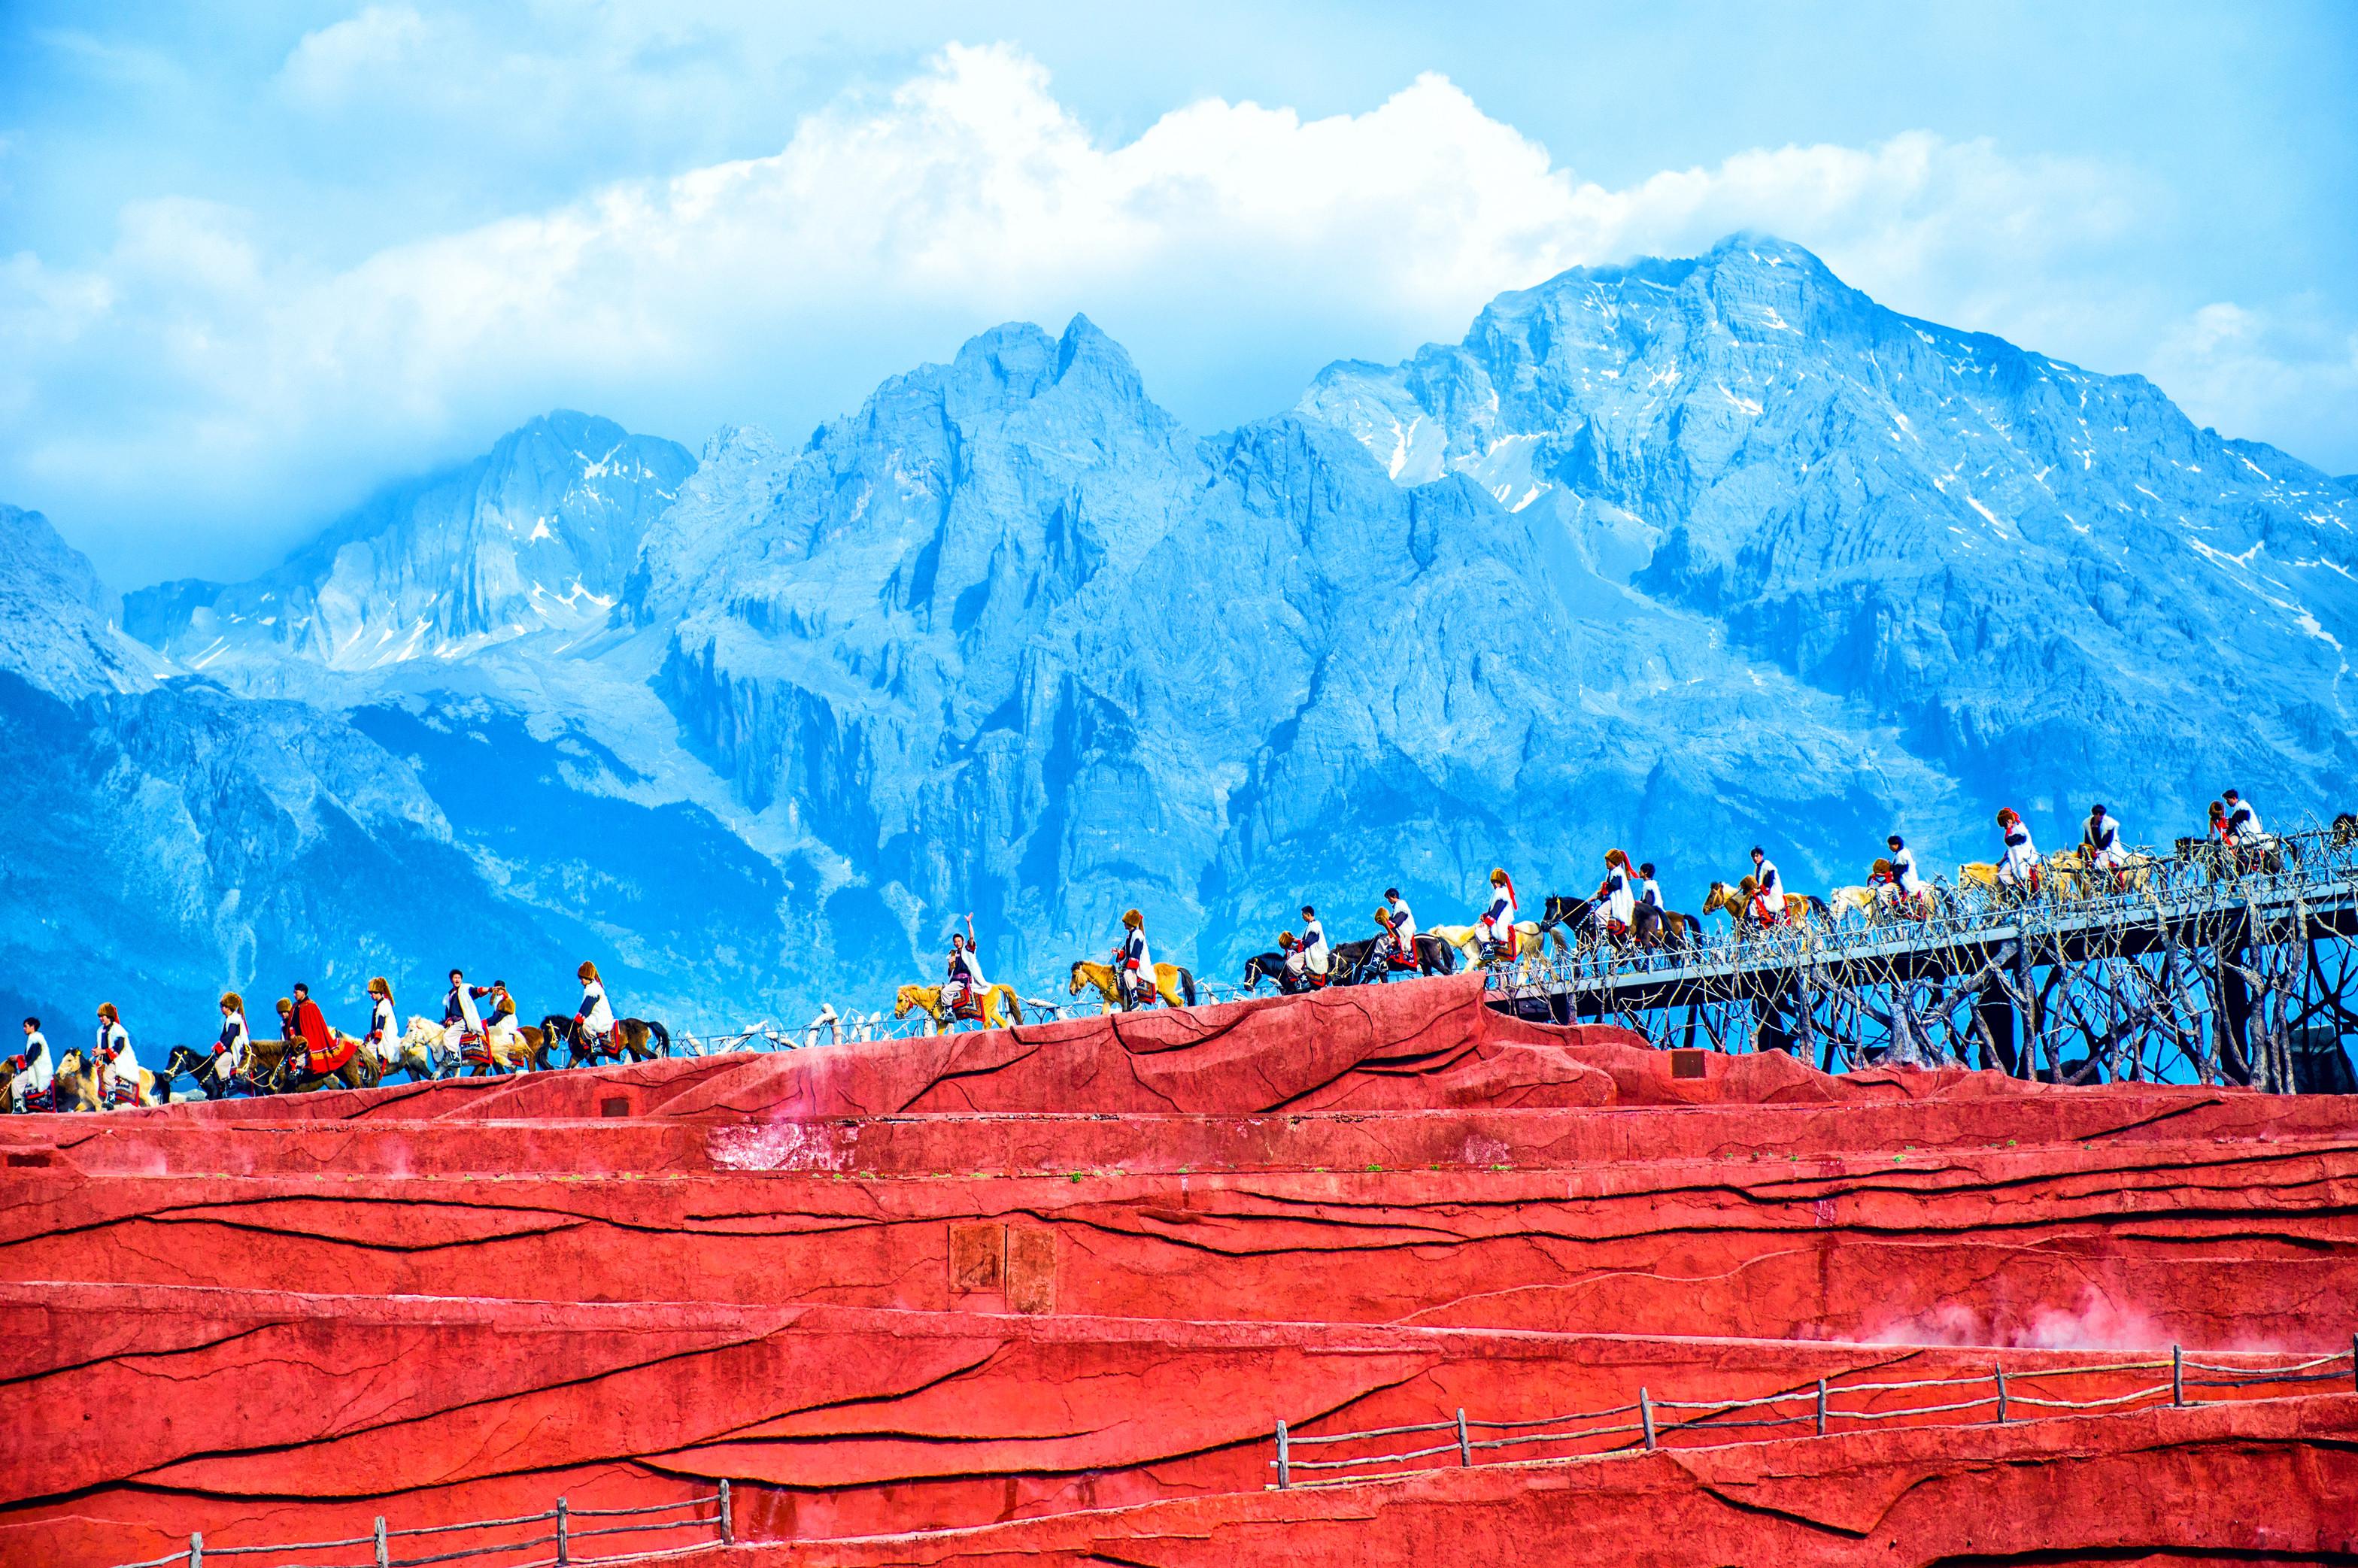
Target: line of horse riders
column 477, row 1033
column 1625, row 909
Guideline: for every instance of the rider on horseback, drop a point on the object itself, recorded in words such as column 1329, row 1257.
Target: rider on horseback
column 229, row 1052
column 460, row 1022
column 593, row 1021
column 1299, row 976
column 964, row 986
column 1316, row 957
column 1497, row 926
column 1133, row 966
column 384, row 1029
column 2100, row 844
column 1767, row 906
column 1618, row 896
column 31, row 1088
column 311, row 1028
column 1402, row 925
column 1901, row 875
column 2018, row 868
column 118, row 1064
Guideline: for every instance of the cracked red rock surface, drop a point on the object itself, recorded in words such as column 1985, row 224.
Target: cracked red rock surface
column 937, row 1284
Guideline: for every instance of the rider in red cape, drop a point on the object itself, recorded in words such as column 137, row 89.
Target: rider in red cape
column 312, row 1025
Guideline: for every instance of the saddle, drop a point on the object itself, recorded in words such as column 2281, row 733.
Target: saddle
column 967, row 1007
column 122, row 1092
column 340, row 1051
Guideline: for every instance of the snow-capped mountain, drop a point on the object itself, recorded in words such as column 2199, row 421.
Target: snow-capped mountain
column 2051, row 579
column 537, row 535
column 1677, row 556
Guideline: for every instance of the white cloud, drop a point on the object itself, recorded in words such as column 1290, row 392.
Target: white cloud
column 2293, row 370
column 358, row 54
column 1225, row 235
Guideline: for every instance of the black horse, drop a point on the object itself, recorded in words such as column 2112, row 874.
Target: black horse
column 1271, row 967
column 1652, row 927
column 640, row 1039
column 1369, row 959
column 211, row 1074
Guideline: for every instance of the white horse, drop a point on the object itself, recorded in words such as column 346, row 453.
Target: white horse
column 421, row 1050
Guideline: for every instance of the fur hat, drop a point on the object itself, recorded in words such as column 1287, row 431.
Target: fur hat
column 106, row 1010
column 587, row 971
column 232, row 1001
column 378, row 986
column 1131, row 917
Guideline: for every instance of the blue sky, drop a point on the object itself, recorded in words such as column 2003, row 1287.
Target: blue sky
column 254, row 260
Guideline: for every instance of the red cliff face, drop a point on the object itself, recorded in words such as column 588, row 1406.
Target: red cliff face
column 996, row 1279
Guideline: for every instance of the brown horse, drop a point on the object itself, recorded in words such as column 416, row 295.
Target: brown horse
column 284, row 1067
column 1800, row 908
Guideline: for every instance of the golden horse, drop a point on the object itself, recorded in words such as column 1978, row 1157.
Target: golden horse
column 928, row 1001
column 2073, row 878
column 74, row 1086
column 1172, row 981
column 1738, row 902
column 1529, row 942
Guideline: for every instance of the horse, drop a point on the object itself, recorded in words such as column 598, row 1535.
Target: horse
column 1859, row 901
column 1371, row 958
column 2073, row 878
column 208, row 1072
column 629, row 1038
column 1270, row 966
column 984, row 1011
column 284, row 1067
column 1800, row 908
column 1528, row 941
column 509, row 1050
column 1652, row 927
column 417, row 1052
column 1171, row 982
column 74, row 1086
column 46, row 1099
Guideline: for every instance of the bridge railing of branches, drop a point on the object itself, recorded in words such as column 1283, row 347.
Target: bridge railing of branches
column 2202, row 964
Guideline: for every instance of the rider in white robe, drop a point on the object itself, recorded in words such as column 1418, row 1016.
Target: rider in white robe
column 460, row 1018
column 34, row 1070
column 1497, row 924
column 2019, row 866
column 2101, row 838
column 1403, row 923
column 118, row 1065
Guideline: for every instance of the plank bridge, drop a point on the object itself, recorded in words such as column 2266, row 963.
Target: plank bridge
column 2214, row 968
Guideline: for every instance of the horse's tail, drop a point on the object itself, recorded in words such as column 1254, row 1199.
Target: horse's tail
column 663, row 1036
column 1444, row 957
column 1187, row 984
column 1014, row 1003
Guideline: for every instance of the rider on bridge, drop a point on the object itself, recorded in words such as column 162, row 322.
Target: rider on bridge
column 1133, row 966
column 1316, row 954
column 1497, row 926
column 1619, row 895
column 1907, row 883
column 2018, row 868
column 2100, row 842
column 1767, row 889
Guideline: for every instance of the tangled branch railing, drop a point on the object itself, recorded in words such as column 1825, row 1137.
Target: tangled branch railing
column 1649, row 1423
column 563, row 1535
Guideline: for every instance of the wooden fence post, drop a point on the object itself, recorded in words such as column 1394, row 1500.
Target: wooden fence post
column 1464, row 1449
column 2001, row 1396
column 1821, row 1406
column 1284, row 1460
column 1646, row 1416
column 196, row 1548
column 728, row 1519
column 564, row 1546
column 383, row 1556
column 2178, row 1374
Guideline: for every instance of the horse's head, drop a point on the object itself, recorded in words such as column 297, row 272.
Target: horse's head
column 1079, row 979
column 907, row 1000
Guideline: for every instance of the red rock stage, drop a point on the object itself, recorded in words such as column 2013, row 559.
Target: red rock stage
column 1047, row 1293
